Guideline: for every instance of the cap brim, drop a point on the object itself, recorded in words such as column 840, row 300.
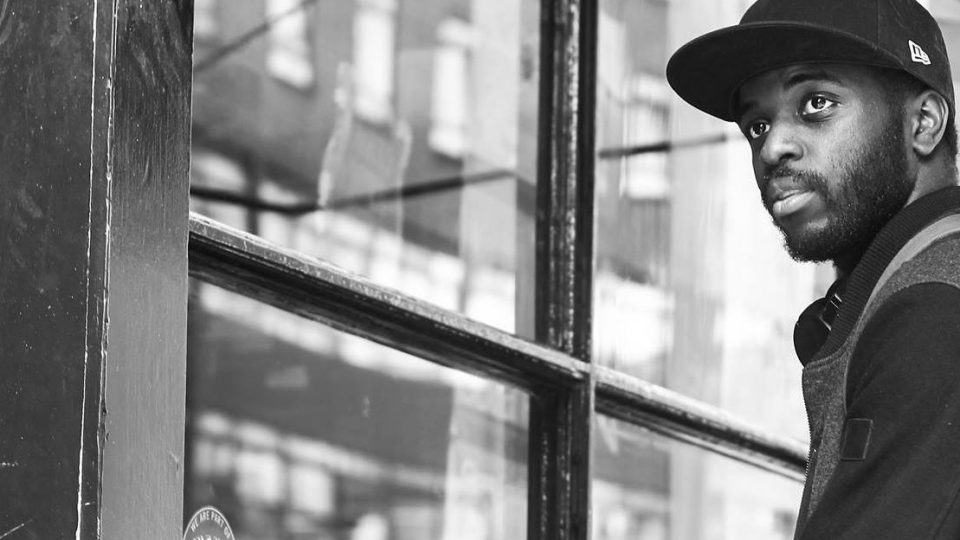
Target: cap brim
column 708, row 71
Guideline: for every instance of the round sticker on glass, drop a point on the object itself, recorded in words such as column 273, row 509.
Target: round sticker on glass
column 208, row 523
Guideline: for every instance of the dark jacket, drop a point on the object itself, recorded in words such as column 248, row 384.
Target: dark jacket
column 883, row 394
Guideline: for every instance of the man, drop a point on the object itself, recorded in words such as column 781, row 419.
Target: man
column 848, row 107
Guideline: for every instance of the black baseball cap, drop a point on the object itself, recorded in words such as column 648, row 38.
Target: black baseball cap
column 898, row 34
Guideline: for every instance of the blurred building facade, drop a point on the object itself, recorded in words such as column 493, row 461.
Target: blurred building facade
column 398, row 139
column 299, row 431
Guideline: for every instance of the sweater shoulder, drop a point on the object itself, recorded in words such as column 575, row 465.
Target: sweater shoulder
column 937, row 263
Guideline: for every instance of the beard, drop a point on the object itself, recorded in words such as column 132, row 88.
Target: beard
column 873, row 185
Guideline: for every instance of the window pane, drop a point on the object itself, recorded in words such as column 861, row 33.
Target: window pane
column 693, row 289
column 205, row 20
column 395, row 139
column 648, row 487
column 299, row 431
column 289, row 55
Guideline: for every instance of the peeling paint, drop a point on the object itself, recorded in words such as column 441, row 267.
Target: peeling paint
column 29, row 205
column 15, row 529
column 87, row 277
column 6, row 27
column 175, row 459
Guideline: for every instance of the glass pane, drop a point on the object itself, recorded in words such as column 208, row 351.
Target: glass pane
column 648, row 487
column 395, row 139
column 693, row 289
column 297, row 431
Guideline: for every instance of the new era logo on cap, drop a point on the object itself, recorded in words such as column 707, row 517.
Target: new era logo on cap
column 917, row 54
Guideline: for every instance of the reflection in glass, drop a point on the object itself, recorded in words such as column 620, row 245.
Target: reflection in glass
column 299, row 431
column 647, row 487
column 395, row 139
column 693, row 290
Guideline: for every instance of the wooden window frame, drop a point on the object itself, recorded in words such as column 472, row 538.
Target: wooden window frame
column 92, row 436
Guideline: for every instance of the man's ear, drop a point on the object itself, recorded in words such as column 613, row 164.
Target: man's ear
column 929, row 113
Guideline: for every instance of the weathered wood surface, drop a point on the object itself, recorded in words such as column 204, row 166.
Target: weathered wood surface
column 145, row 370
column 93, row 215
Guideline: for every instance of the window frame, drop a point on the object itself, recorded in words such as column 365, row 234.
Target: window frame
column 566, row 389
column 127, row 425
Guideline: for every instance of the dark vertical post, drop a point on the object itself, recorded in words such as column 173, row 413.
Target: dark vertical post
column 561, row 420
column 93, row 230
column 145, row 369
column 565, row 189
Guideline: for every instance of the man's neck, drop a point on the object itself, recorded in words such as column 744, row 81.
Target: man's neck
column 934, row 176
column 845, row 264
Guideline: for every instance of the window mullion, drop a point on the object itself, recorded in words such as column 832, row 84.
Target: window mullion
column 565, row 189
column 561, row 420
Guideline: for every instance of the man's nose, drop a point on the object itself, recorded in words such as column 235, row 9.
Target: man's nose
column 780, row 145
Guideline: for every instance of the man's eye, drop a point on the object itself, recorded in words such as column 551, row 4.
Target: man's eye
column 816, row 104
column 757, row 129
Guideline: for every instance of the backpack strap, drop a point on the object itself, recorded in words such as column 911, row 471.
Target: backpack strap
column 941, row 228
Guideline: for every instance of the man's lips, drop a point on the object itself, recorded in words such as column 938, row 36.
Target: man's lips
column 786, row 197
column 789, row 202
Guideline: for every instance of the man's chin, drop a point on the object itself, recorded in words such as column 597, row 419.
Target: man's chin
column 810, row 246
column 805, row 254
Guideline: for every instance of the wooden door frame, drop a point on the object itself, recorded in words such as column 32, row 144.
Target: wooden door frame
column 94, row 162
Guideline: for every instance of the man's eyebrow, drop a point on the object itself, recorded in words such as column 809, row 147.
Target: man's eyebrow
column 815, row 75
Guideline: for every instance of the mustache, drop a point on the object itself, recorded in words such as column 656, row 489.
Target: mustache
column 800, row 178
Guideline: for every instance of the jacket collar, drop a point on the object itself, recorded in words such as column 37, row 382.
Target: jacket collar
column 861, row 281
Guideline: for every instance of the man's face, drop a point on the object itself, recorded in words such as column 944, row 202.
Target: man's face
column 828, row 154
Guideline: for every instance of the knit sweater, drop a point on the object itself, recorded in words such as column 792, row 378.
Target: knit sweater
column 883, row 394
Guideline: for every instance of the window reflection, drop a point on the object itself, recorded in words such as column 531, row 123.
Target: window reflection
column 205, row 19
column 374, row 56
column 407, row 126
column 298, row 431
column 448, row 133
column 648, row 487
column 693, row 290
column 289, row 54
